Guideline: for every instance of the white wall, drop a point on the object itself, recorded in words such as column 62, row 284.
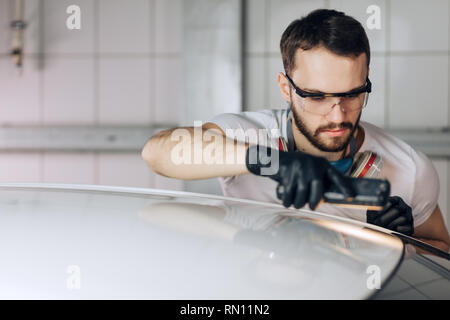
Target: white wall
column 122, row 67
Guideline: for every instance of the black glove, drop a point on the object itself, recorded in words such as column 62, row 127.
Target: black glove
column 302, row 178
column 396, row 215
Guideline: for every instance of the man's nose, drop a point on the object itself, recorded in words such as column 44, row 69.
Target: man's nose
column 337, row 113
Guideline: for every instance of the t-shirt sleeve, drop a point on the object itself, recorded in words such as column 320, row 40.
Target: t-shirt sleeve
column 249, row 123
column 245, row 127
column 426, row 188
column 231, row 122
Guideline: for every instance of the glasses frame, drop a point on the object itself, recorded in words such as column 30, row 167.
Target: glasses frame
column 367, row 87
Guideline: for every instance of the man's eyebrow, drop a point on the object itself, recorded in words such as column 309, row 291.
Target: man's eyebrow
column 312, row 90
column 318, row 91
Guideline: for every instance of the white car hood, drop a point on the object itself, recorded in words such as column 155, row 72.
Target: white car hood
column 96, row 242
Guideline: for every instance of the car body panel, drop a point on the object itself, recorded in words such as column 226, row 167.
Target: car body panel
column 97, row 242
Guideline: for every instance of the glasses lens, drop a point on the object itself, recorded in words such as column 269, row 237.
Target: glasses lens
column 324, row 105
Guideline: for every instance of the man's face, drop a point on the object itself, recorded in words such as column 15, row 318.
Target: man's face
column 321, row 70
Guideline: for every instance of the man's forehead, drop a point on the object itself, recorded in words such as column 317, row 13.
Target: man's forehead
column 320, row 53
column 322, row 70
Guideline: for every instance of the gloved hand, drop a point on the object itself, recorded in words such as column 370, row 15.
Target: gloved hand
column 396, row 215
column 302, row 178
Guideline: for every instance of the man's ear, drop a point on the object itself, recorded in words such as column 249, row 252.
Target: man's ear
column 283, row 83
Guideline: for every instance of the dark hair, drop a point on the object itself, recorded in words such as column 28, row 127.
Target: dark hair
column 337, row 32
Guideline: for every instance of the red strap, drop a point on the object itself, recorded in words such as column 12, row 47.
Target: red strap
column 280, row 145
column 367, row 166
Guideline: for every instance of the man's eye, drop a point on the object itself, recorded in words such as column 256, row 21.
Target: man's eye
column 319, row 98
column 352, row 96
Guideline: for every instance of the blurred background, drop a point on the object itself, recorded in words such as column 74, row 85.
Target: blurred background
column 86, row 100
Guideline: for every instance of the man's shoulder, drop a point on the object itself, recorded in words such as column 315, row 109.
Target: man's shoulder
column 382, row 140
column 407, row 169
column 387, row 145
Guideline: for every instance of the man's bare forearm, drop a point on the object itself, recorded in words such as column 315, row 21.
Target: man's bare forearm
column 184, row 153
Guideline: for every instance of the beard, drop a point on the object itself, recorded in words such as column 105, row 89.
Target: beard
column 330, row 144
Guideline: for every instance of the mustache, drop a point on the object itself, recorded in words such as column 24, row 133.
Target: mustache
column 335, row 126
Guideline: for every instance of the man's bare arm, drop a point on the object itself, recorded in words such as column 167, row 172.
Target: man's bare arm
column 433, row 231
column 195, row 153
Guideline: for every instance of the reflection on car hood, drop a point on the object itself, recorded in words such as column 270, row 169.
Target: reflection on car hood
column 94, row 242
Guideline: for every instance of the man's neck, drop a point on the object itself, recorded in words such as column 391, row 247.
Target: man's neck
column 303, row 144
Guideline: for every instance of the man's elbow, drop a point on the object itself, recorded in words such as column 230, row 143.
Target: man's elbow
column 442, row 245
column 446, row 245
column 446, row 240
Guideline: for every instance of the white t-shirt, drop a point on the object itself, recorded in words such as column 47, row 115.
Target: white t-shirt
column 411, row 174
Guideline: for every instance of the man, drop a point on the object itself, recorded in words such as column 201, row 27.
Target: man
column 326, row 57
